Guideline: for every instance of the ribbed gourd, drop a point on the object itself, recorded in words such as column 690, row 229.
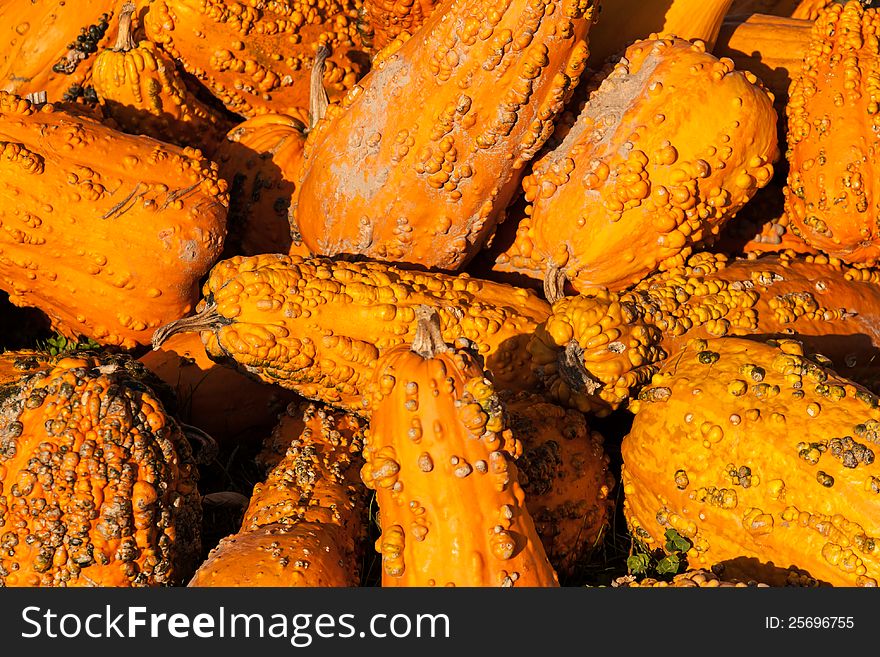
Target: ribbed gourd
column 597, row 350
column 565, row 474
column 107, row 233
column 226, row 404
column 385, row 20
column 452, row 117
column 98, row 486
column 51, row 45
column 441, row 460
column 305, row 524
column 834, row 136
column 763, row 459
column 318, row 326
column 139, row 87
column 672, row 144
column 255, row 57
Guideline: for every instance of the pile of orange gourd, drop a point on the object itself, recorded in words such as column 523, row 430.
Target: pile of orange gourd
column 426, row 293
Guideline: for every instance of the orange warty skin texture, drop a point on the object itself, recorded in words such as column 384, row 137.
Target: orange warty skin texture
column 488, row 79
column 564, row 472
column 260, row 159
column 97, row 482
column 621, row 339
column 694, row 578
column 387, row 19
column 107, row 233
column 35, row 37
column 143, row 92
column 317, row 326
column 305, row 523
column 441, row 460
column 761, row 458
column 256, row 57
column 834, row 136
column 219, row 400
column 671, row 145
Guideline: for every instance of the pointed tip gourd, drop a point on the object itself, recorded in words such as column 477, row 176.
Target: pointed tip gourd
column 762, row 458
column 834, row 136
column 255, row 57
column 140, row 88
column 597, row 350
column 451, row 116
column 107, row 233
column 440, row 457
column 98, row 486
column 305, row 524
column 318, row 326
column 667, row 150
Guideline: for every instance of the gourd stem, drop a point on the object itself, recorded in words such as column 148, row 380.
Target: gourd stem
column 428, row 341
column 205, row 446
column 554, row 284
column 206, row 320
column 573, row 371
column 318, row 99
column 125, row 40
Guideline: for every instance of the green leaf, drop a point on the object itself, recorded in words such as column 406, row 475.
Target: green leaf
column 668, row 565
column 675, row 542
column 637, row 564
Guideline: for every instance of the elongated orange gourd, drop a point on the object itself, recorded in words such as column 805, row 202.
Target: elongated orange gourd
column 107, row 233
column 51, row 45
column 255, row 57
column 760, row 457
column 665, row 152
column 441, row 459
column 318, row 326
column 420, row 160
column 834, row 136
column 597, row 350
column 621, row 22
column 97, row 481
column 305, row 524
column 142, row 91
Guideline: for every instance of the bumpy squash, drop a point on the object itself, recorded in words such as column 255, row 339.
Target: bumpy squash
column 761, row 458
column 597, row 350
column 619, row 23
column 107, row 233
column 485, row 80
column 255, row 57
column 51, row 45
column 564, row 472
column 317, row 326
column 97, row 482
column 305, row 524
column 139, row 87
column 771, row 47
column 834, row 136
column 668, row 149
column 224, row 403
column 441, row 460
column 385, row 20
